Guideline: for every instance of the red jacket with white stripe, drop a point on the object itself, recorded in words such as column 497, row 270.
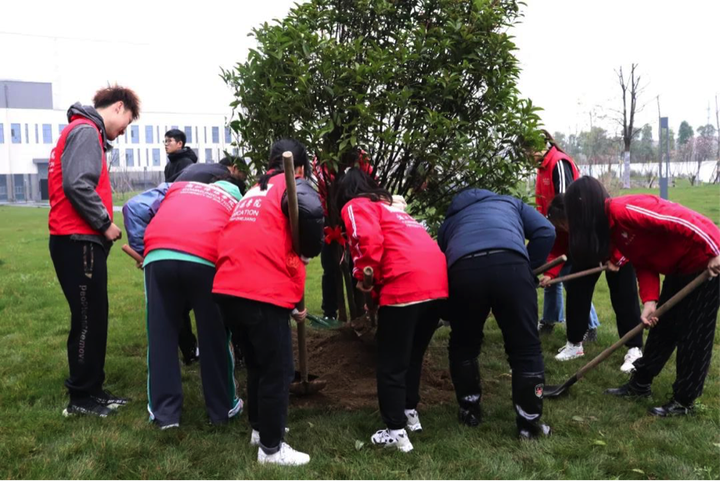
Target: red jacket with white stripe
column 190, row 220
column 544, row 187
column 408, row 264
column 660, row 237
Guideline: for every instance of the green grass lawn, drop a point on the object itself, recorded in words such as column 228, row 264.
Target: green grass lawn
column 595, row 436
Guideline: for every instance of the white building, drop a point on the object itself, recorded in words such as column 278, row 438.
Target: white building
column 30, row 126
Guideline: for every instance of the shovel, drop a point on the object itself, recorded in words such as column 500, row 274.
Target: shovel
column 552, row 391
column 570, row 277
column 546, row 267
column 364, row 326
column 303, row 383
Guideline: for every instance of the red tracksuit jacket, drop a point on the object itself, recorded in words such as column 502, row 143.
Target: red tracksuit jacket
column 660, row 237
column 408, row 264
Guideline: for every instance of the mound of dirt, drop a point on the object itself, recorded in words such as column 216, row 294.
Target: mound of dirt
column 347, row 364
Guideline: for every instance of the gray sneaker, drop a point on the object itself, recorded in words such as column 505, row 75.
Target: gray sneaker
column 590, row 336
column 545, row 328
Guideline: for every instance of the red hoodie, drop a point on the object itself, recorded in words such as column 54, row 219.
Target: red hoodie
column 660, row 237
column 408, row 264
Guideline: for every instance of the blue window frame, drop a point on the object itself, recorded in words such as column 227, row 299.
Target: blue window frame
column 2, row 137
column 135, row 134
column 156, row 157
column 115, row 157
column 228, row 136
column 205, row 128
column 27, row 134
column 148, row 134
column 216, row 135
column 157, row 131
column 61, row 127
column 174, row 127
column 15, row 134
column 129, row 158
column 188, row 134
column 47, row 134
column 37, row 134
column 208, row 156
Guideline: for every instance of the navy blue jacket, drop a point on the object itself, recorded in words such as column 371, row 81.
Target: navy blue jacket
column 479, row 220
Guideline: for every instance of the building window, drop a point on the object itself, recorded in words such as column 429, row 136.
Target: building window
column 228, row 137
column 115, row 157
column 197, row 137
column 61, row 127
column 216, row 135
column 19, row 183
column 156, row 157
column 148, row 134
column 205, row 128
column 174, row 127
column 197, row 154
column 47, row 134
column 37, row 134
column 188, row 134
column 27, row 134
column 157, row 131
column 129, row 158
column 15, row 134
column 2, row 138
column 135, row 134
column 208, row 156
column 3, row 186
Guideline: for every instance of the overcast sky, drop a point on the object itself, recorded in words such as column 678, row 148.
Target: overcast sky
column 171, row 53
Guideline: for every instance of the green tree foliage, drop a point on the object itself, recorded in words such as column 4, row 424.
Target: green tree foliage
column 427, row 87
column 685, row 133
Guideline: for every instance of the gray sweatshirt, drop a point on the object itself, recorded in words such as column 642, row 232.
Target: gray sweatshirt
column 81, row 168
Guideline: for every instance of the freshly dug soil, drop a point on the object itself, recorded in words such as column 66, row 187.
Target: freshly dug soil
column 347, row 364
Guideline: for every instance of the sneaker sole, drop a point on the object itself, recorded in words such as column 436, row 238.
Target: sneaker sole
column 569, row 358
column 69, row 414
column 415, row 429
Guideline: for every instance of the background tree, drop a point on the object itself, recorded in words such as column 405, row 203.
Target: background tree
column 685, row 133
column 428, row 88
column 630, row 92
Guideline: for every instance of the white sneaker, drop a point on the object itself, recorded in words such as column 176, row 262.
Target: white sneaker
column 286, row 456
column 255, row 437
column 396, row 439
column 413, row 421
column 634, row 353
column 570, row 351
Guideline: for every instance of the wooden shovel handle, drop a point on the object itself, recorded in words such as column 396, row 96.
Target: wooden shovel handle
column 293, row 211
column 576, row 275
column 669, row 304
column 368, row 275
column 549, row 265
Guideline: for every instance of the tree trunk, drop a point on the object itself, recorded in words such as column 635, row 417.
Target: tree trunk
column 626, row 170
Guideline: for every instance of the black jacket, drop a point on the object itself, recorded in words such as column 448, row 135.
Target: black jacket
column 179, row 161
column 480, row 220
column 311, row 218
column 204, row 173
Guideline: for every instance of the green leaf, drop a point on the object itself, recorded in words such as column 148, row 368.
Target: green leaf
column 359, row 445
column 578, row 419
column 640, row 471
column 599, row 442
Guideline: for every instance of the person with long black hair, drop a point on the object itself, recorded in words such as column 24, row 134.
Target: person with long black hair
column 410, row 278
column 490, row 268
column 658, row 237
column 259, row 281
column 623, row 295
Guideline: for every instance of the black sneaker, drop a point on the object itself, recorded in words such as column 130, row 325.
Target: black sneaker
column 590, row 336
column 87, row 407
column 630, row 389
column 190, row 358
column 545, row 328
column 673, row 408
column 106, row 398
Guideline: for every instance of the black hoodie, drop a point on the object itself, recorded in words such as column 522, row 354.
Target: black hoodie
column 177, row 161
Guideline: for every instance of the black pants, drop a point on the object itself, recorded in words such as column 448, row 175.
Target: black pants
column 266, row 340
column 330, row 278
column 81, row 268
column 689, row 327
column 501, row 282
column 403, row 335
column 186, row 339
column 172, row 285
column 623, row 296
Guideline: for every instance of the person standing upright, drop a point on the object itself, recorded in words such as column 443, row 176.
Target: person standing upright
column 81, row 235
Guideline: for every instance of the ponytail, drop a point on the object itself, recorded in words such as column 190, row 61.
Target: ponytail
column 275, row 163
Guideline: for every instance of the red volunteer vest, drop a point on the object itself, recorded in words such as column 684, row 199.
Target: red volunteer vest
column 63, row 218
column 190, row 219
column 544, row 188
column 256, row 259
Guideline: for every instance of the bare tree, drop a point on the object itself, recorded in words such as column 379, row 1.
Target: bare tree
column 631, row 90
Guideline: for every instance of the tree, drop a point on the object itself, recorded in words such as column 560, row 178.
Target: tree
column 705, row 143
column 428, row 88
column 630, row 92
column 685, row 134
column 644, row 151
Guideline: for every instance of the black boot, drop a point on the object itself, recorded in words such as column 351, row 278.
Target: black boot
column 466, row 379
column 527, row 393
column 632, row 388
column 673, row 408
